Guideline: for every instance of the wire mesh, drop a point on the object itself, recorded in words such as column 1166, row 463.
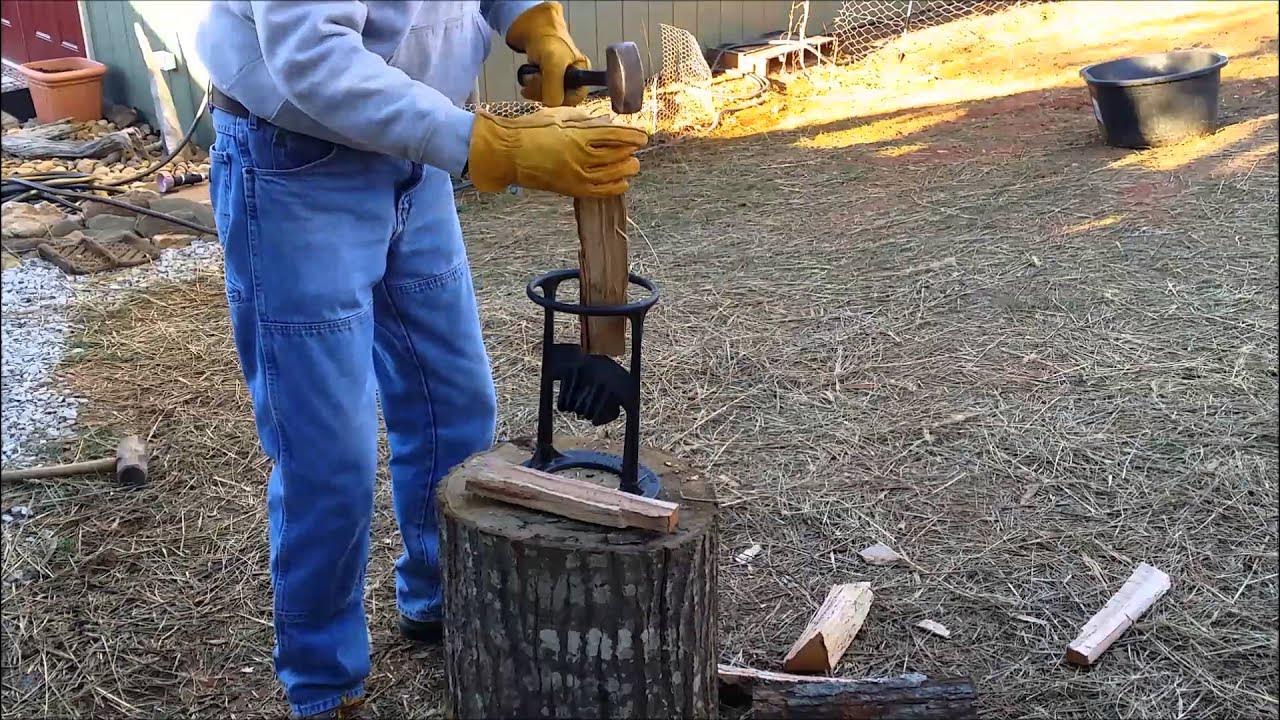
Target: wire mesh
column 861, row 26
column 685, row 98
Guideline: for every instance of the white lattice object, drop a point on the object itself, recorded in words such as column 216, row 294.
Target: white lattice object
column 681, row 91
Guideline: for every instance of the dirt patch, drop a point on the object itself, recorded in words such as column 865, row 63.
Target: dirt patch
column 1023, row 360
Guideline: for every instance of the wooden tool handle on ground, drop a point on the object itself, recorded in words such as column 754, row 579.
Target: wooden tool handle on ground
column 52, row 471
column 602, row 258
column 129, row 464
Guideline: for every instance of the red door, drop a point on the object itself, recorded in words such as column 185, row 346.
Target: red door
column 41, row 29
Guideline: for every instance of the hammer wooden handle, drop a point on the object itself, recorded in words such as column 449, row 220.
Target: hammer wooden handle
column 51, row 471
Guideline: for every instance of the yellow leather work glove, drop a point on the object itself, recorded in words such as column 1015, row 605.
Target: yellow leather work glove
column 540, row 33
column 563, row 150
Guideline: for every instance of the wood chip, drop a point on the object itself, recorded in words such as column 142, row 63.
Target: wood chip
column 879, row 554
column 746, row 556
column 934, row 627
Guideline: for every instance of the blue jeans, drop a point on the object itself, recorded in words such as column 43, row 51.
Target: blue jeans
column 347, row 283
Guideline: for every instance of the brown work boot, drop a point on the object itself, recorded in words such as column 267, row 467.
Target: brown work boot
column 353, row 709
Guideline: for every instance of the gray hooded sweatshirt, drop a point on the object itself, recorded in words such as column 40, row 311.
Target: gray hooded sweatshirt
column 387, row 76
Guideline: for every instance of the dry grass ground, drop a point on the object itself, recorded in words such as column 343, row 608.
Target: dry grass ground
column 934, row 312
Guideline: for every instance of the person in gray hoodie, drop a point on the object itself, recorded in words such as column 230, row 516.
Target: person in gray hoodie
column 339, row 125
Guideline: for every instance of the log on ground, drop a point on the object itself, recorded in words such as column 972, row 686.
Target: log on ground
column 906, row 697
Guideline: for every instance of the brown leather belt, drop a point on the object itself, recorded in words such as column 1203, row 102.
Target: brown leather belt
column 226, row 103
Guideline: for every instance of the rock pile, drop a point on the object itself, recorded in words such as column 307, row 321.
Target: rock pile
column 115, row 166
column 105, row 235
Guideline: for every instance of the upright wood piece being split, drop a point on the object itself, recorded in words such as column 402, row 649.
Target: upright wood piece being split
column 831, row 630
column 1139, row 592
column 602, row 258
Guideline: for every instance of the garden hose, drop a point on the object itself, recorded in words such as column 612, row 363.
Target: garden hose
column 57, row 195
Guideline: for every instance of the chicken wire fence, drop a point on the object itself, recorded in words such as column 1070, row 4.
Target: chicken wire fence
column 859, row 28
column 686, row 98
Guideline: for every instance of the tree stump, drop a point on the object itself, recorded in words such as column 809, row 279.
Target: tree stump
column 551, row 617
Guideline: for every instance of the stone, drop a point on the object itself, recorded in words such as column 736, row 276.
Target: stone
column 111, row 222
column 165, row 241
column 106, row 235
column 8, row 121
column 24, row 227
column 141, row 198
column 151, row 226
column 66, row 226
column 85, row 166
column 45, row 166
column 112, row 157
column 189, row 210
column 93, row 209
column 8, row 260
column 122, row 116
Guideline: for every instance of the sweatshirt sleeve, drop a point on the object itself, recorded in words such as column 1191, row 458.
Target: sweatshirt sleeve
column 315, row 55
column 501, row 13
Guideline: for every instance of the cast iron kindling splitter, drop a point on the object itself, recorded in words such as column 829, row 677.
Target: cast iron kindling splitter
column 594, row 387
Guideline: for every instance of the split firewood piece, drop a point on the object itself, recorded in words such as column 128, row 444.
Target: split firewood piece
column 879, row 554
column 906, row 697
column 577, row 499
column 935, row 627
column 831, row 630
column 1139, row 592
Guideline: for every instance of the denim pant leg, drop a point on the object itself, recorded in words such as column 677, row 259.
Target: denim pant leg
column 305, row 228
column 437, row 391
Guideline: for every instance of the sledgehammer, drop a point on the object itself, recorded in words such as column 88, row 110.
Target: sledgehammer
column 623, row 77
column 602, row 222
column 129, row 464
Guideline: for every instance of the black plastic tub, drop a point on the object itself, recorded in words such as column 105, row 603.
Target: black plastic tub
column 1158, row 99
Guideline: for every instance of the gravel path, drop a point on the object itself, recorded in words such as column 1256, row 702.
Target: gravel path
column 34, row 331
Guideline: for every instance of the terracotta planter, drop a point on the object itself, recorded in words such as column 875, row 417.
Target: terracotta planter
column 68, row 87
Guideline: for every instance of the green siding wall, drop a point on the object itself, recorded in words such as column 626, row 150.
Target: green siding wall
column 170, row 25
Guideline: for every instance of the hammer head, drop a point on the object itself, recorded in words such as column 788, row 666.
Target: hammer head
column 624, row 77
column 131, row 461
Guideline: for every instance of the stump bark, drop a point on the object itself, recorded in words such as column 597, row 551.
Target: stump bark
column 551, row 617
